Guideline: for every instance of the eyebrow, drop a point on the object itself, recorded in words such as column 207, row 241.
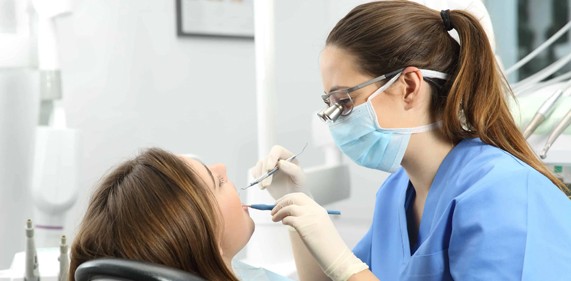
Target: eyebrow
column 335, row 88
column 210, row 173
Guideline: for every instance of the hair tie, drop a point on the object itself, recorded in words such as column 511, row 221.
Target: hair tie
column 445, row 14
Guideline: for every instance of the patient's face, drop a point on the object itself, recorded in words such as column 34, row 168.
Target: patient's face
column 238, row 225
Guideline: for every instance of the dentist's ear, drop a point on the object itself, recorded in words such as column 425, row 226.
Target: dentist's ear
column 412, row 79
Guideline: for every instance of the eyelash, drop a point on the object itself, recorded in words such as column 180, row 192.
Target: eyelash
column 221, row 181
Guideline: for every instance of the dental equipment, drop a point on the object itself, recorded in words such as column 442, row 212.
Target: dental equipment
column 540, row 85
column 25, row 264
column 565, row 122
column 32, row 272
column 274, row 170
column 268, row 207
column 540, row 75
column 54, row 176
column 63, row 259
column 542, row 113
column 48, row 54
column 538, row 50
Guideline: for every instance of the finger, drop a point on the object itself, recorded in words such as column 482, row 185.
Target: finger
column 256, row 171
column 281, row 203
column 295, row 198
column 291, row 221
column 281, row 152
column 266, row 182
column 293, row 170
column 287, row 211
column 276, row 153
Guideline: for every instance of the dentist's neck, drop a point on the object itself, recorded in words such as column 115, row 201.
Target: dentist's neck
column 423, row 156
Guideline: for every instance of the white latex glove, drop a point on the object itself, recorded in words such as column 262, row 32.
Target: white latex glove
column 289, row 178
column 319, row 235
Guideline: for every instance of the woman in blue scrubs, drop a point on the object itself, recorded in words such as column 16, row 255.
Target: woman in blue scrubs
column 467, row 198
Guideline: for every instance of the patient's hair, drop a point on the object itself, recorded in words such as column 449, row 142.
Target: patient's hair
column 153, row 208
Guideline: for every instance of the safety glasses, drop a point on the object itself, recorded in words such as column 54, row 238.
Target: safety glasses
column 339, row 102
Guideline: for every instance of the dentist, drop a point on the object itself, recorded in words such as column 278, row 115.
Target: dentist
column 467, row 198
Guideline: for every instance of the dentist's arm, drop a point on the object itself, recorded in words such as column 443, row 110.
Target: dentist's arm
column 309, row 270
column 289, row 179
column 318, row 234
column 307, row 267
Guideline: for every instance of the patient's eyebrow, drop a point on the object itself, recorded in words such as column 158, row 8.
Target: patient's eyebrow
column 210, row 173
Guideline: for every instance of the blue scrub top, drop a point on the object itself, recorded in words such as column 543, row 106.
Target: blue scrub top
column 488, row 216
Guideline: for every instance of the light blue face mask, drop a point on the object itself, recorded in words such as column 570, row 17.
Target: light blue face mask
column 361, row 138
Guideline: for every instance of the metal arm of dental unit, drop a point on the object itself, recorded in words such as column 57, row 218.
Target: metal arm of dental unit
column 54, row 181
column 565, row 122
column 542, row 113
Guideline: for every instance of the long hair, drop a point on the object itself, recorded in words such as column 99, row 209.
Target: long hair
column 388, row 35
column 153, row 208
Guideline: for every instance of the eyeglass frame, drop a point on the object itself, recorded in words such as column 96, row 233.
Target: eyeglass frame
column 325, row 97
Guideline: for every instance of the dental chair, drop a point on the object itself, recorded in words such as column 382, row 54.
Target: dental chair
column 111, row 269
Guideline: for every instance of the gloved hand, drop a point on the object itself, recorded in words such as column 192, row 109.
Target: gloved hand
column 289, row 178
column 319, row 235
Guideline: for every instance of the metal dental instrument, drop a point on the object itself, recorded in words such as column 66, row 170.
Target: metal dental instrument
column 274, row 170
column 565, row 122
column 266, row 207
column 544, row 110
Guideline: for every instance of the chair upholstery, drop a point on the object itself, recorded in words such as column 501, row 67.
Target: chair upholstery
column 127, row 270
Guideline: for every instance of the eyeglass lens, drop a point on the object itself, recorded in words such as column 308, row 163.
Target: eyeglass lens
column 342, row 98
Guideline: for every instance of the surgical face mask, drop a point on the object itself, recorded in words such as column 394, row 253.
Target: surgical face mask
column 361, row 138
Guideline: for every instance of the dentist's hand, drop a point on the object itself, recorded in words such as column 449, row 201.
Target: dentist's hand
column 319, row 235
column 289, row 178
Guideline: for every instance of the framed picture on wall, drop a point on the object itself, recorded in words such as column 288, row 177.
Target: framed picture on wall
column 215, row 18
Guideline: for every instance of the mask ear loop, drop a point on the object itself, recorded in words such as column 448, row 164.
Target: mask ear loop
column 425, row 72
column 384, row 87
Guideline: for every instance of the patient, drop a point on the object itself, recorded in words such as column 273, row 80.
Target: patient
column 165, row 209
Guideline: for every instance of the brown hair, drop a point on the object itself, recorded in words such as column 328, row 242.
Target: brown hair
column 153, row 208
column 385, row 36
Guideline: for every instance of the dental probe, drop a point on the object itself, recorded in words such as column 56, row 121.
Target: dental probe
column 267, row 207
column 565, row 122
column 274, row 170
column 544, row 110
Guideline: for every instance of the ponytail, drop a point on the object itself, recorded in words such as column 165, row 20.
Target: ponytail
column 476, row 104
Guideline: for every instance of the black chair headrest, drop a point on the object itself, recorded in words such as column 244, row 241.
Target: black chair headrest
column 127, row 270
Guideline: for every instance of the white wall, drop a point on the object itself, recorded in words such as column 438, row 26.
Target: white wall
column 129, row 82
